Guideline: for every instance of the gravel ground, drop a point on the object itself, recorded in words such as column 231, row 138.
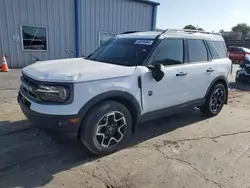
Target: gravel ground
column 184, row 150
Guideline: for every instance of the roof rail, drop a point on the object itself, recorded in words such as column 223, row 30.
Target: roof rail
column 183, row 30
column 127, row 32
column 187, row 31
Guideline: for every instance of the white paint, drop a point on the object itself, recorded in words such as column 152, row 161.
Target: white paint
column 92, row 78
column 173, row 90
column 75, row 70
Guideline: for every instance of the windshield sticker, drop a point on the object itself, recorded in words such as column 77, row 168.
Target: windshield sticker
column 144, row 42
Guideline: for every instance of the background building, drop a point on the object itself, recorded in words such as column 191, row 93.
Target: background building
column 54, row 29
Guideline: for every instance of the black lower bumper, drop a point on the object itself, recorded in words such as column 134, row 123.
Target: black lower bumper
column 243, row 78
column 67, row 126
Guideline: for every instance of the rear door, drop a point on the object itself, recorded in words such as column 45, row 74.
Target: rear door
column 201, row 68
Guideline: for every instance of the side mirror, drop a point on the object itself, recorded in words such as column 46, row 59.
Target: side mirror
column 157, row 72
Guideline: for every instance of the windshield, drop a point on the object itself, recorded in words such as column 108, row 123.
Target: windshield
column 123, row 51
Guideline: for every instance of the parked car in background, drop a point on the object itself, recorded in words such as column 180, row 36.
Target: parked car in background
column 243, row 75
column 237, row 54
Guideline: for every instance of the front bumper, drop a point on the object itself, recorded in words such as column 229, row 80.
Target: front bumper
column 243, row 77
column 64, row 125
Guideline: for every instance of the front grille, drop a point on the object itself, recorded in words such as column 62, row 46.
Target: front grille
column 30, row 87
column 247, row 70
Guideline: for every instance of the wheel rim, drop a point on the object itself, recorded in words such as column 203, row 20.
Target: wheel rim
column 217, row 100
column 111, row 129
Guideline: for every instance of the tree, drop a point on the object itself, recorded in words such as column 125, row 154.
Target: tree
column 191, row 27
column 200, row 29
column 221, row 31
column 242, row 28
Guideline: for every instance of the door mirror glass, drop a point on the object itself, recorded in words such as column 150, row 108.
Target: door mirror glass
column 157, row 72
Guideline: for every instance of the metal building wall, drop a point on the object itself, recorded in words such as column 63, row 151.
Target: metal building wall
column 57, row 15
column 114, row 16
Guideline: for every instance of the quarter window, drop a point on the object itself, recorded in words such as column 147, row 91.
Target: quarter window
column 218, row 49
column 169, row 52
column 34, row 38
column 104, row 37
column 197, row 50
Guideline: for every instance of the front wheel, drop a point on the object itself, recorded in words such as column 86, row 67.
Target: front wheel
column 106, row 127
column 214, row 101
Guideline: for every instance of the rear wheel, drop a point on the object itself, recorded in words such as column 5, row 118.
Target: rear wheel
column 214, row 101
column 106, row 127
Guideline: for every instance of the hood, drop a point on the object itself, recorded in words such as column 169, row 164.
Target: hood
column 75, row 70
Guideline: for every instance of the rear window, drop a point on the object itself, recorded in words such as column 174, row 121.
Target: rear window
column 218, row 49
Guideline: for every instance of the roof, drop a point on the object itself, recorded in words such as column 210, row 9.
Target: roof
column 147, row 35
column 148, row 2
column 154, row 34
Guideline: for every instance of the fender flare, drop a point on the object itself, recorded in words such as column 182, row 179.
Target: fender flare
column 124, row 97
column 224, row 81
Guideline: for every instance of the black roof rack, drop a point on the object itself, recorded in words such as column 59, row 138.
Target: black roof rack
column 127, row 32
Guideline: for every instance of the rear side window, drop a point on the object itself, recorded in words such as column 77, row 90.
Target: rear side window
column 197, row 50
column 218, row 49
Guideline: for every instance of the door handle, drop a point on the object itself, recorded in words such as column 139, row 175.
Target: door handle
column 181, row 74
column 210, row 70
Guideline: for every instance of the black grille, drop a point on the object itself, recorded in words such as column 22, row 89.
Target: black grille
column 247, row 70
column 32, row 86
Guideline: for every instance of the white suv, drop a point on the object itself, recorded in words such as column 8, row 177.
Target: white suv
column 130, row 79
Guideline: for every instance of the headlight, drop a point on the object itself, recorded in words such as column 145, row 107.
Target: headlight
column 53, row 93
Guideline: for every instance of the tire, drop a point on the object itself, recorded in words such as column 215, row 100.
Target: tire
column 94, row 136
column 214, row 101
column 238, row 81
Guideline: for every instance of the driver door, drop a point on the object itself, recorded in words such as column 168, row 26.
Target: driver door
column 173, row 89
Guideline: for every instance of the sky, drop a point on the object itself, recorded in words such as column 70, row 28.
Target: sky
column 211, row 15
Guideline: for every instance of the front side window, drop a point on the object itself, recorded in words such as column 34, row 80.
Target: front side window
column 104, row 37
column 169, row 52
column 197, row 50
column 34, row 38
column 123, row 51
column 218, row 49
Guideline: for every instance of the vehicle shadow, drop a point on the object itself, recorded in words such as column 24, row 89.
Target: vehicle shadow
column 30, row 158
column 239, row 87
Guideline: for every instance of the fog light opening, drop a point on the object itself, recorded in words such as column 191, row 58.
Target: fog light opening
column 74, row 120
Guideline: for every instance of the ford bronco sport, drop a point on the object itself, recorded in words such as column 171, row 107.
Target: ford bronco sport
column 130, row 79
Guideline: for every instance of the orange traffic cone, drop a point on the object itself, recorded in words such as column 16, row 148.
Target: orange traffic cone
column 4, row 67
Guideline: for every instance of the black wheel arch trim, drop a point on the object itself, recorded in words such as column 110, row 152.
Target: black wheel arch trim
column 221, row 78
column 116, row 95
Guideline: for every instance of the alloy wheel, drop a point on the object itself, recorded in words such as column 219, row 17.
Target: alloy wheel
column 217, row 100
column 111, row 129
